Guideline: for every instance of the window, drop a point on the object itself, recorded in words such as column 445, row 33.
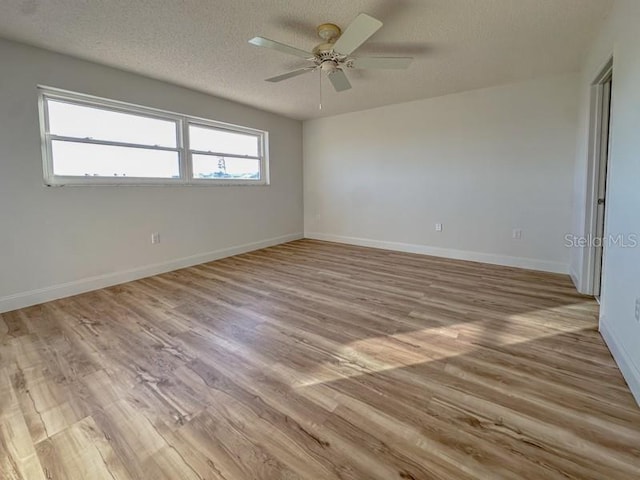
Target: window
column 100, row 142
column 221, row 153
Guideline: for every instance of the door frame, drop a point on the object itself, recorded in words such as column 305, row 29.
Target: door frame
column 595, row 159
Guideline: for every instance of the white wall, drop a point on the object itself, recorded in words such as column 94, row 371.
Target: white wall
column 621, row 277
column 59, row 241
column 482, row 163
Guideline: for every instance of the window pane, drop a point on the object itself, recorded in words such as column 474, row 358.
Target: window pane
column 213, row 167
column 91, row 160
column 78, row 121
column 222, row 141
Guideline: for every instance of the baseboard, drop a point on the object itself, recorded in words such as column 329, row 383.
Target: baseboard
column 626, row 365
column 519, row 262
column 41, row 295
column 575, row 279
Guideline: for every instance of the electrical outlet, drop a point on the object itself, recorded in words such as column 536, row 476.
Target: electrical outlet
column 517, row 234
column 438, row 227
column 155, row 238
column 638, row 309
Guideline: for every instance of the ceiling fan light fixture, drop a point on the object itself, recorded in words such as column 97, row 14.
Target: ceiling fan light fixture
column 329, row 66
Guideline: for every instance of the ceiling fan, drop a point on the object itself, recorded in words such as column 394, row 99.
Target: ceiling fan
column 333, row 56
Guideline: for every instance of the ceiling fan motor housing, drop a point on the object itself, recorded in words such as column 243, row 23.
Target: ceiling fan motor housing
column 329, row 61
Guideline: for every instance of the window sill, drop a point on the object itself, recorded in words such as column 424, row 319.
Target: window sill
column 157, row 184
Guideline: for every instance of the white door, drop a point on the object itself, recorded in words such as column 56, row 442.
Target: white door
column 601, row 198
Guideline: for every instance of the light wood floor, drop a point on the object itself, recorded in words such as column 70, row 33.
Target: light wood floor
column 316, row 361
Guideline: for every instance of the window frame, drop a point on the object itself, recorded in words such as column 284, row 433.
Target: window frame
column 182, row 123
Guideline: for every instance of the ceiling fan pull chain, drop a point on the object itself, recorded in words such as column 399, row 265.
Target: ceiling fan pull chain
column 320, row 87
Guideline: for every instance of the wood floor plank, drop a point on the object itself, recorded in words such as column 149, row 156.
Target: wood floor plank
column 18, row 457
column 313, row 360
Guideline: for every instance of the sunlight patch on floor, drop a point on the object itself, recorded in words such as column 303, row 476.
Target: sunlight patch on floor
column 388, row 352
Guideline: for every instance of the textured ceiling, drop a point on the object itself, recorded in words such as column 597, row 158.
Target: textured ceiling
column 457, row 44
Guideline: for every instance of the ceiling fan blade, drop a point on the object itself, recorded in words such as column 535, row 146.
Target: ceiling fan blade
column 357, row 33
column 382, row 62
column 285, row 76
column 339, row 81
column 281, row 47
